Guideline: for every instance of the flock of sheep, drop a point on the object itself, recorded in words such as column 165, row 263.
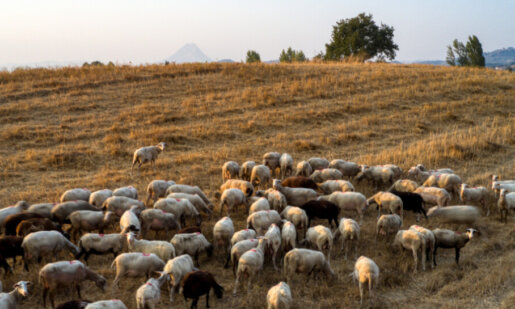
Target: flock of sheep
column 280, row 212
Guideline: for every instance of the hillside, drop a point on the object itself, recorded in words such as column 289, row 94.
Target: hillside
column 78, row 127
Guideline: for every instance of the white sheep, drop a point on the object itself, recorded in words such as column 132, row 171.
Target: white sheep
column 279, row 296
column 136, row 264
column 260, row 204
column 348, row 169
column 318, row 163
column 20, row 207
column 449, row 182
column 87, row 220
column 388, row 201
column 330, row 186
column 128, row 191
column 276, row 199
column 430, row 240
column 190, row 190
column 107, row 304
column 192, row 244
column 348, row 201
column 92, row 243
column 434, row 196
column 377, row 175
column 349, row 231
column 120, row 204
column 157, row 220
column 20, row 291
column 288, row 236
column 273, row 239
column 232, row 198
column 75, row 194
column 222, row 234
column 475, row 194
column 43, row 209
column 242, row 235
column 230, row 170
column 414, row 241
column 321, row 238
column 451, row 239
column 365, row 271
column 420, row 174
column 176, row 269
column 245, row 186
column 163, row 249
column 388, row 225
column 98, row 198
column 460, row 214
column 272, row 160
column 320, row 176
column 304, row 169
column 250, row 263
column 149, row 294
column 306, row 261
column 237, row 251
column 38, row 243
column 286, row 165
column 181, row 208
column 129, row 221
column 246, row 170
column 297, row 216
column 196, row 200
column 295, row 196
column 261, row 220
column 505, row 203
column 147, row 154
column 404, row 185
column 157, row 189
column 260, row 176
column 61, row 212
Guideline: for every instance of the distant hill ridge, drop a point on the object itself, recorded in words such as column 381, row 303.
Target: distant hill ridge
column 189, row 53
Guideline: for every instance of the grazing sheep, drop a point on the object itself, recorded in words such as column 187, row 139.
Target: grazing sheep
column 43, row 209
column 434, row 196
column 98, row 198
column 420, row 174
column 273, row 240
column 449, row 182
column 286, row 165
column 28, row 226
column 411, row 202
column 461, row 214
column 450, row 239
column 414, row 241
column 128, row 191
column 349, row 231
column 100, row 244
column 107, row 304
column 61, row 212
column 196, row 200
column 120, row 204
column 246, row 170
column 237, row 251
column 297, row 216
column 249, row 264
column 232, row 198
column 87, row 220
column 21, row 206
column 245, row 186
column 192, row 244
column 377, row 175
column 323, row 210
column 476, row 194
column 198, row 283
column 67, row 274
column 288, row 236
column 321, row 238
column 388, row 225
column 242, row 235
column 190, row 190
column 158, row 220
column 180, row 208
column 318, row 163
column 157, row 189
column 348, row 169
column 37, row 243
column 75, row 194
column 260, row 176
column 10, row 300
column 365, row 271
column 260, row 204
column 272, row 160
column 348, row 201
column 320, row 176
column 304, row 169
column 136, row 264
column 279, row 296
column 260, row 221
column 177, row 268
column 147, row 154
column 74, row 304
column 149, row 294
column 505, row 203
column 430, row 240
column 276, row 199
column 163, row 249
column 386, row 200
column 295, row 196
column 330, row 186
column 230, row 170
column 404, row 185
column 12, row 221
column 10, row 247
column 306, row 261
column 129, row 221
column 222, row 234
column 299, row 182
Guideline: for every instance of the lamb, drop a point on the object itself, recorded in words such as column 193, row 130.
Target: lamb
column 276, row 199
column 412, row 202
column 260, row 221
column 222, row 234
column 304, row 169
column 107, row 304
column 147, row 154
column 365, row 271
column 192, row 244
column 414, row 241
column 286, row 165
column 245, row 186
column 260, row 204
column 377, row 175
column 120, row 204
column 190, row 190
column 28, row 226
column 158, row 220
column 100, row 244
column 297, row 216
column 299, row 182
column 323, row 210
column 288, row 236
column 388, row 225
column 349, row 231
column 37, row 243
column 348, row 169
column 246, row 170
column 449, row 182
column 181, row 208
column 306, row 261
column 12, row 221
column 430, row 240
column 434, row 196
column 157, row 189
column 177, row 268
column 98, row 198
column 461, row 214
column 87, row 220
column 348, row 201
column 196, row 200
column 476, row 194
column 273, row 239
column 163, row 249
column 318, row 163
column 61, row 212
column 230, row 170
column 450, row 239
column 232, row 198
column 272, row 160
column 330, row 186
column 386, row 200
column 404, row 185
column 242, row 235
column 279, row 296
column 128, row 191
column 21, row 206
column 67, row 274
column 250, row 263
column 148, row 294
column 198, row 283
column 321, row 237
column 43, row 209
column 10, row 300
column 320, row 176
column 260, row 176
column 237, row 251
column 505, row 203
column 136, row 264
column 129, row 220
column 75, row 194
column 295, row 196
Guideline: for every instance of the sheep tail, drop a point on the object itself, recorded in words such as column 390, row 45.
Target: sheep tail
column 113, row 264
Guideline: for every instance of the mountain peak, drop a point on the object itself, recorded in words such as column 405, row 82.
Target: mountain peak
column 189, row 53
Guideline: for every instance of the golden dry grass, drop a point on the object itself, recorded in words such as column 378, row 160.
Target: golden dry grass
column 78, row 127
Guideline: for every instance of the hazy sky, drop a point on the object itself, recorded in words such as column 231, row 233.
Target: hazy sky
column 144, row 31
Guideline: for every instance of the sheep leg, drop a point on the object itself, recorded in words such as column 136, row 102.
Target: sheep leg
column 458, row 256
column 434, row 255
column 236, row 282
column 361, row 292
column 52, row 294
column 207, row 299
column 415, row 257
column 45, row 292
column 78, row 290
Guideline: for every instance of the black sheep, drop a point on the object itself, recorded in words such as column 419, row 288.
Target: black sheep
column 321, row 209
column 197, row 283
column 10, row 247
column 412, row 202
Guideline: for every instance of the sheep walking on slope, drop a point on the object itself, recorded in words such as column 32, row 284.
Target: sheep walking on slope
column 147, row 154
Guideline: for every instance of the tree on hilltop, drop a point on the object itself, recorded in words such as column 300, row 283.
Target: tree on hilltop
column 470, row 54
column 291, row 55
column 253, row 56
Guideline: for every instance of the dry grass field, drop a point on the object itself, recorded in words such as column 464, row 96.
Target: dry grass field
column 78, row 127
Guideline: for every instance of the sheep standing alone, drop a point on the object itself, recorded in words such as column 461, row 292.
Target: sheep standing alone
column 42, row 242
column 295, row 196
column 349, row 231
column 192, row 244
column 505, row 203
column 136, row 264
column 147, row 154
column 450, row 239
column 230, row 170
column 272, row 160
column 476, row 194
column 157, row 189
column 365, row 271
column 98, row 198
column 414, row 241
column 198, row 283
column 148, row 295
column 304, row 169
column 246, row 170
column 306, row 261
column 279, row 296
column 10, row 300
column 249, row 264
column 75, row 194
column 286, row 165
column 348, row 201
column 177, row 268
column 222, row 234
column 260, row 176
